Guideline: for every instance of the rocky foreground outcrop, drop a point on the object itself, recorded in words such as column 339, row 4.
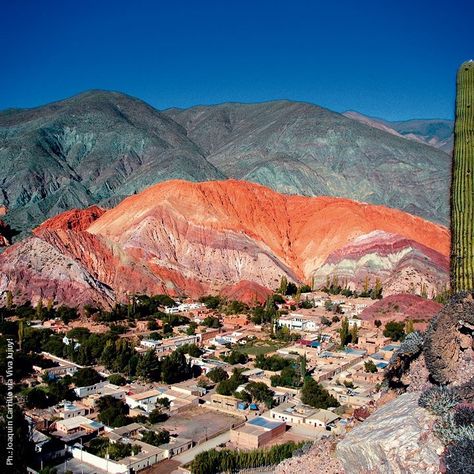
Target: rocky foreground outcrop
column 396, row 439
column 194, row 238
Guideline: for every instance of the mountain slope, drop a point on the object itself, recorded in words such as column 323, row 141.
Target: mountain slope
column 194, row 238
column 99, row 147
column 300, row 148
column 438, row 133
column 92, row 148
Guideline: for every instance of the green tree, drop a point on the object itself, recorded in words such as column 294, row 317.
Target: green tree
column 409, row 327
column 157, row 416
column 344, row 333
column 394, row 330
column 354, row 334
column 315, row 395
column 156, row 438
column 86, row 376
column 217, row 375
column 370, row 367
column 149, row 366
column 117, row 379
column 283, row 285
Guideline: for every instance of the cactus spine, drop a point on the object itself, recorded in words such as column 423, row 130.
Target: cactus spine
column 462, row 190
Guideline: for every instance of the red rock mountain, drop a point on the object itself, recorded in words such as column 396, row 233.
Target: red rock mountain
column 194, row 238
column 402, row 308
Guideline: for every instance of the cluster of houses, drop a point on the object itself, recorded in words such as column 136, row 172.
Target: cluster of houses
column 342, row 372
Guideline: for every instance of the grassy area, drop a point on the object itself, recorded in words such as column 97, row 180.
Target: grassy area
column 258, row 347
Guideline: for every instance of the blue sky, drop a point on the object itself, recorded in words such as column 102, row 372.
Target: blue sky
column 394, row 59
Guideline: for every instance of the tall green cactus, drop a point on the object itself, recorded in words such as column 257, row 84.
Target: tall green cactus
column 462, row 191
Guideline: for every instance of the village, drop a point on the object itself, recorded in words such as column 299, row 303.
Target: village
column 296, row 369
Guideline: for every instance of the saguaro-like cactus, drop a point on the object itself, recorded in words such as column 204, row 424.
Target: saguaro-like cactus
column 462, row 192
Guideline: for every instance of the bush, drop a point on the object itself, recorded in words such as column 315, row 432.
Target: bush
column 459, row 457
column 438, row 400
column 226, row 460
column 448, row 432
column 464, row 415
column 370, row 367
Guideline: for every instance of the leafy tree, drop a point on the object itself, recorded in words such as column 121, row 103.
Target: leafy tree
column 38, row 398
column 370, row 367
column 236, row 357
column 113, row 412
column 153, row 325
column 117, row 379
column 315, row 395
column 21, row 439
column 409, row 327
column 164, row 402
column 211, row 322
column 305, row 289
column 175, row 368
column 156, row 438
column 291, row 289
column 394, row 330
column 86, row 376
column 191, row 330
column 344, row 333
column 191, row 349
column 288, row 377
column 273, row 363
column 377, row 323
column 260, row 393
column 354, row 334
column 229, row 386
column 217, row 375
column 149, row 366
column 157, row 416
column 211, row 302
column 236, row 307
column 283, row 285
column 325, row 321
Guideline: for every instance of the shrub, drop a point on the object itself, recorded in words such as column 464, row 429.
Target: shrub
column 448, row 432
column 464, row 415
column 459, row 457
column 438, row 400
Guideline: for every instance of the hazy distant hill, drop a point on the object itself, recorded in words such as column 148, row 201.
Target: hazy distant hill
column 99, row 146
column 438, row 133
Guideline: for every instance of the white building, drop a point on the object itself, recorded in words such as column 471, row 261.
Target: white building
column 150, row 343
column 298, row 322
column 145, row 400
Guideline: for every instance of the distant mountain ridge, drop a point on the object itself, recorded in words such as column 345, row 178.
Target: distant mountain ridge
column 438, row 133
column 99, row 147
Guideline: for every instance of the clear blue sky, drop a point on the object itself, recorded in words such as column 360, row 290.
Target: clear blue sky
column 391, row 58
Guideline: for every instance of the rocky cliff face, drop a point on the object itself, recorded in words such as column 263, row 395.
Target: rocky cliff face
column 396, row 439
column 394, row 258
column 194, row 238
column 99, row 147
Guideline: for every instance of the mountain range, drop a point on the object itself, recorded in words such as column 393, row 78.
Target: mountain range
column 100, row 147
column 438, row 133
column 181, row 237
